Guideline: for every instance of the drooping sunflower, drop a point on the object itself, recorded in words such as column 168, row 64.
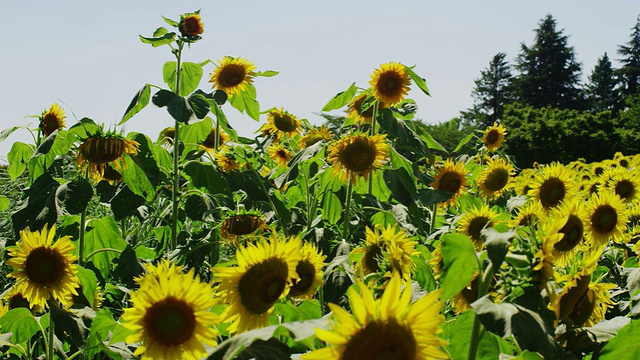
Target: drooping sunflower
column 166, row 136
column 264, row 274
column 44, row 269
column 191, row 26
column 226, row 160
column 209, row 144
column 280, row 154
column 572, row 219
column 494, row 136
column 528, row 214
column 52, row 119
column 607, row 217
column 309, row 270
column 476, row 219
column 494, row 180
column 387, row 328
column 316, row 134
column 624, row 183
column 241, row 223
column 462, row 300
column 451, row 177
column 552, row 185
column 390, row 83
column 281, row 122
column 388, row 246
column 357, row 156
column 355, row 112
column 170, row 317
column 233, row 75
column 100, row 149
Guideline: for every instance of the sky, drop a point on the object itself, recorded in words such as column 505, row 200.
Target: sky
column 87, row 56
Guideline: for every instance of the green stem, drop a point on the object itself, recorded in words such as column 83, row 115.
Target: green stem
column 83, row 219
column 434, row 214
column 372, row 133
column 483, row 287
column 347, row 209
column 175, row 194
column 50, row 352
column 103, row 250
column 216, row 140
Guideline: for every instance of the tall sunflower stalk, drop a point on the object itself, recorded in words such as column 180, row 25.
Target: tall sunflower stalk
column 175, row 193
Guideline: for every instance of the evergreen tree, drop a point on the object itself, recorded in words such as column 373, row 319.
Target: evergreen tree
column 549, row 74
column 630, row 70
column 602, row 91
column 492, row 91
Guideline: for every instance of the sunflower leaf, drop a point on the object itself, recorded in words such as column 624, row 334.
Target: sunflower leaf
column 458, row 331
column 139, row 102
column 331, row 208
column 190, row 76
column 4, row 134
column 624, row 345
column 73, row 197
column 103, row 234
column 171, row 22
column 497, row 245
column 160, row 40
column 21, row 323
column 463, row 142
column 422, row 84
column 246, row 102
column 18, row 157
column 341, row 98
column 267, row 73
column 4, row 203
column 460, row 263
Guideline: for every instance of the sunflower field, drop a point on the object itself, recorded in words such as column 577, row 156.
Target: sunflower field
column 305, row 242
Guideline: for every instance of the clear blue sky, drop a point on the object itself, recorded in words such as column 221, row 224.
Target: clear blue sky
column 88, row 55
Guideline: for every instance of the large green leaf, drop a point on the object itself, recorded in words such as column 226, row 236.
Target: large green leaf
column 460, row 264
column 137, row 180
column 206, row 177
column 401, row 184
column 422, row 84
column 21, row 323
column 139, row 102
column 125, row 202
column 89, row 283
column 497, row 245
column 162, row 38
column 4, row 134
column 103, row 234
column 194, row 134
column 331, row 208
column 4, row 203
column 102, row 326
column 73, row 197
column 39, row 207
column 190, row 76
column 18, row 157
column 145, row 159
column 341, row 99
column 625, row 345
column 246, row 102
column 458, row 333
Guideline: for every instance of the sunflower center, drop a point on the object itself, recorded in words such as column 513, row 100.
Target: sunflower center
column 50, row 123
column 527, row 220
column 262, row 285
column 492, row 137
column 18, row 301
column 358, row 156
column 573, row 232
column 382, row 340
column 242, row 224
column 604, row 219
column 284, row 123
column 451, row 182
column 170, row 321
column 45, row 266
column 191, row 26
column 371, row 257
column 497, row 180
column 552, row 191
column 624, row 163
column 574, row 296
column 390, row 83
column 624, row 189
column 470, row 293
column 307, row 273
column 475, row 227
column 100, row 151
column 231, row 75
column 583, row 309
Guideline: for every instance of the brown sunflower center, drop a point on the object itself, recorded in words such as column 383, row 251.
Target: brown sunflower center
column 209, row 142
column 390, row 83
column 307, row 273
column 492, row 137
column 527, row 220
column 45, row 266
column 357, row 105
column 284, row 122
column 573, row 297
column 382, row 340
column 573, row 232
column 450, row 181
column 604, row 219
column 358, row 156
column 242, row 224
column 50, row 123
column 262, row 285
column 634, row 219
column 191, row 26
column 282, row 154
column 231, row 75
column 371, row 258
column 624, row 163
column 100, row 150
column 475, row 227
column 170, row 321
column 625, row 189
column 497, row 180
column 583, row 309
column 552, row 191
column 18, row 301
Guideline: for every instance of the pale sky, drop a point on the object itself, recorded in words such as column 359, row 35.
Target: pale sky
column 87, row 56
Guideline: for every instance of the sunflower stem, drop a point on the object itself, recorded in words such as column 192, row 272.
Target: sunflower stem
column 372, row 133
column 483, row 287
column 347, row 208
column 175, row 195
column 434, row 214
column 83, row 219
column 50, row 352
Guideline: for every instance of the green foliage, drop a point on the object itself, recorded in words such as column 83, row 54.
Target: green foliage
column 460, row 264
column 624, row 346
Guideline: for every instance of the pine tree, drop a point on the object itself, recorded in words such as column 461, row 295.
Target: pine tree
column 602, row 91
column 549, row 74
column 630, row 70
column 492, row 91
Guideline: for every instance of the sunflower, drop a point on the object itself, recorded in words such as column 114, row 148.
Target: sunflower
column 356, row 113
column 233, row 75
column 624, row 183
column 436, row 262
column 552, row 185
column 524, row 181
column 316, row 134
column 52, row 120
column 622, row 160
column 607, row 217
column 280, row 154
column 170, row 317
column 528, row 214
column 388, row 246
column 462, row 300
column 387, row 328
column 191, row 26
column 111, row 175
column 548, row 234
column 494, row 136
column 633, row 215
column 241, row 223
column 263, row 275
column 494, row 180
column 209, row 144
column 309, row 270
column 14, row 299
column 226, row 161
column 450, row 177
column 281, row 122
column 98, row 150
column 472, row 223
column 573, row 220
column 44, row 269
column 390, row 83
column 356, row 156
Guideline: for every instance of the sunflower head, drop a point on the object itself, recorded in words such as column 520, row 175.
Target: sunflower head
column 241, row 223
column 191, row 26
column 528, row 214
column 280, row 154
column 494, row 180
column 316, row 134
column 476, row 219
column 101, row 149
column 170, row 317
column 52, row 119
column 280, row 122
column 572, row 220
column 209, row 144
column 552, row 185
column 357, row 156
column 607, row 217
column 390, row 83
column 624, row 183
column 233, row 75
column 356, row 113
column 451, row 177
column 494, row 136
column 309, row 270
column 44, row 269
column 226, row 160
